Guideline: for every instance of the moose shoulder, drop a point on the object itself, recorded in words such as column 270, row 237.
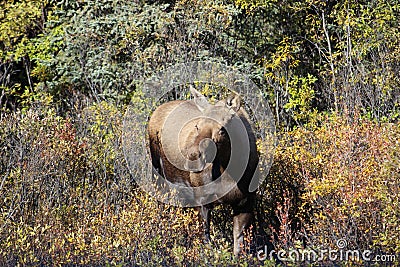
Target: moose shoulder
column 197, row 144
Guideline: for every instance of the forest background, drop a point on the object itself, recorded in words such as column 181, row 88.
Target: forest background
column 69, row 69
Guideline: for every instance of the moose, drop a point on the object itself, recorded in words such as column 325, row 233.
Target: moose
column 212, row 148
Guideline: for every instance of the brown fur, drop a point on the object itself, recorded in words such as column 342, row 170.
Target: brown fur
column 187, row 148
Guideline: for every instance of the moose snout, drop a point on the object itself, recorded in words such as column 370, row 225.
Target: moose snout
column 194, row 155
column 199, row 156
column 194, row 160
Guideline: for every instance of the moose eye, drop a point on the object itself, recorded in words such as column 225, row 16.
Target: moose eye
column 197, row 127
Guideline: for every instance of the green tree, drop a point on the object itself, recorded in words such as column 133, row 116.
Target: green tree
column 356, row 44
column 24, row 43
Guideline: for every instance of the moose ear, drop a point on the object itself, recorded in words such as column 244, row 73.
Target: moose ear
column 199, row 99
column 233, row 101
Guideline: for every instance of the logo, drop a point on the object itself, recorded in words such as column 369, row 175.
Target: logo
column 339, row 254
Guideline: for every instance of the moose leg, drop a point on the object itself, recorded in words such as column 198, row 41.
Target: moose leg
column 205, row 213
column 240, row 222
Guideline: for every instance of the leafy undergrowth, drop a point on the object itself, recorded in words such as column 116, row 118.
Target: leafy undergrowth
column 142, row 233
column 337, row 181
column 69, row 199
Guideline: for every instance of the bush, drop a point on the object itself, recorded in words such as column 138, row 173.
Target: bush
column 339, row 180
column 69, row 199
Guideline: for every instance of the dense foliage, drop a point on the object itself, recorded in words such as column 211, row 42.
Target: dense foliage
column 68, row 70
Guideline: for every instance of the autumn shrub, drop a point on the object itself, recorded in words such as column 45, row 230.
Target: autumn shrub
column 68, row 198
column 41, row 163
column 339, row 180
